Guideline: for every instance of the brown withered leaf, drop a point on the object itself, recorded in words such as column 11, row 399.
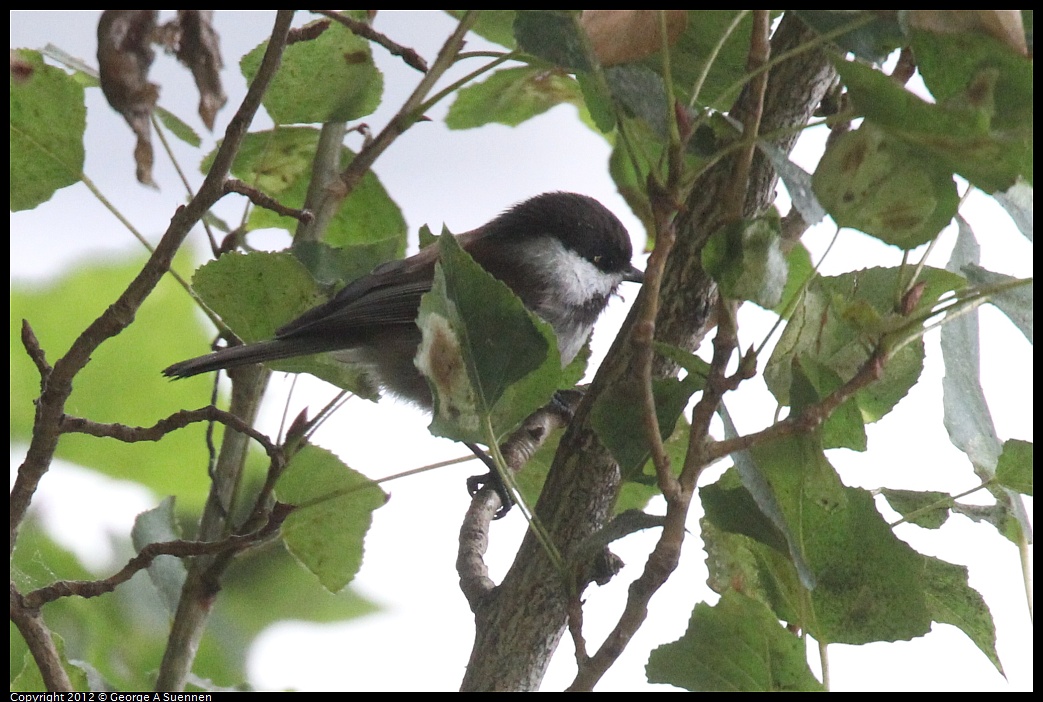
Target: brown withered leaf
column 124, row 58
column 621, row 36
column 1004, row 25
column 199, row 49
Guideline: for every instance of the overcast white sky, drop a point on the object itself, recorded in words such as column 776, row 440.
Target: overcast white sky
column 422, row 639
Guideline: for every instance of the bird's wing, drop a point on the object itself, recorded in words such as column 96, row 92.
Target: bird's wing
column 389, row 295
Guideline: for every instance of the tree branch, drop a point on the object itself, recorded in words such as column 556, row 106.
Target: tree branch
column 366, row 31
column 581, row 488
column 180, row 549
column 120, row 314
column 234, row 185
column 178, row 420
column 41, row 646
column 474, row 532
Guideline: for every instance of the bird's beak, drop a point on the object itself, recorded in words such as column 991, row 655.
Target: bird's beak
column 633, row 275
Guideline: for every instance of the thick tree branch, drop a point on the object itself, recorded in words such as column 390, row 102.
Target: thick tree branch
column 532, row 603
column 41, row 646
column 474, row 533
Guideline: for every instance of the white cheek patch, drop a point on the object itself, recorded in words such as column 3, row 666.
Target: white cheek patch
column 578, row 279
column 578, row 286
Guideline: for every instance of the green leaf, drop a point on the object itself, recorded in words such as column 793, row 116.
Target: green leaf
column 748, row 566
column 496, row 26
column 178, row 127
column 632, row 179
column 870, row 585
column 754, row 479
column 746, row 260
column 256, row 293
column 730, row 507
column 800, row 270
column 334, row 507
column 332, row 268
column 837, row 322
column 166, row 572
column 844, row 428
column 872, row 42
column 690, row 53
column 877, row 184
column 737, row 645
column 426, row 237
column 48, row 118
column 951, row 600
column 966, row 132
column 924, row 509
column 1014, row 302
column 273, row 161
column 597, row 102
column 868, row 582
column 642, row 486
column 639, row 91
column 799, row 476
column 553, row 35
column 618, row 417
column 512, row 96
column 1014, row 469
column 952, row 66
column 479, row 342
column 331, row 78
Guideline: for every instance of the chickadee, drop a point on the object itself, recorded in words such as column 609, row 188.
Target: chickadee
column 562, row 254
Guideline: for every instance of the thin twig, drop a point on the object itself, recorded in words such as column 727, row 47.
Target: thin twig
column 366, row 31
column 145, row 557
column 408, row 114
column 345, row 182
column 665, row 556
column 178, row 420
column 36, row 352
column 759, row 54
column 51, row 403
column 234, row 185
column 810, row 418
column 202, row 583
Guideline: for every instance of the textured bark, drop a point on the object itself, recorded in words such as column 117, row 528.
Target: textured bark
column 519, row 626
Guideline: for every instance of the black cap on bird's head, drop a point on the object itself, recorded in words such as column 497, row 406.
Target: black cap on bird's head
column 580, row 223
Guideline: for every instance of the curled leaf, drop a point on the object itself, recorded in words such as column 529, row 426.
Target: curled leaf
column 124, row 59
column 198, row 49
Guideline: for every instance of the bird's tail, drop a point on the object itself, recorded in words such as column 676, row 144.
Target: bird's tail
column 261, row 352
